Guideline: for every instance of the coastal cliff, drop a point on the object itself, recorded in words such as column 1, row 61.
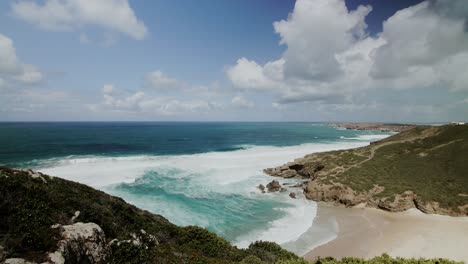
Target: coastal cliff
column 46, row 219
column 423, row 167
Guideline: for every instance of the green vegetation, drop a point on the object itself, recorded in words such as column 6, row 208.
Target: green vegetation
column 29, row 206
column 430, row 161
column 384, row 259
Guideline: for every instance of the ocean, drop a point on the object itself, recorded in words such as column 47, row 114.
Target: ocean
column 203, row 174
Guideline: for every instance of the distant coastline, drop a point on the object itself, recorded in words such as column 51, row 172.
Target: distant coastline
column 383, row 127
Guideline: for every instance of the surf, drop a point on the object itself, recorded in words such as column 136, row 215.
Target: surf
column 216, row 190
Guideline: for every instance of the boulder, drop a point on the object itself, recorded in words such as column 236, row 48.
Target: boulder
column 292, row 195
column 261, row 188
column 81, row 243
column 273, row 186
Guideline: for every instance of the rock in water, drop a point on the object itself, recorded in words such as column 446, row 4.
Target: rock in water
column 292, row 195
column 273, row 186
column 261, row 188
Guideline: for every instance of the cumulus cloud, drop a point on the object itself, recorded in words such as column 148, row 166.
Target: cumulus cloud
column 248, row 74
column 140, row 102
column 330, row 57
column 69, row 15
column 12, row 68
column 314, row 32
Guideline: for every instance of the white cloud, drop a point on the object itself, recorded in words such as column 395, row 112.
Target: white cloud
column 330, row 58
column 241, row 102
column 314, row 33
column 69, row 15
column 11, row 67
column 423, row 48
column 249, row 75
column 159, row 80
column 140, row 102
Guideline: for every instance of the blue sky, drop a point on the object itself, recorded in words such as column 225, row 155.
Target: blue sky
column 310, row 60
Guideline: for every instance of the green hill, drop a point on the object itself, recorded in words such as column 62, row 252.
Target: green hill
column 425, row 167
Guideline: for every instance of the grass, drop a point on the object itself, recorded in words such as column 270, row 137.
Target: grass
column 430, row 161
column 384, row 259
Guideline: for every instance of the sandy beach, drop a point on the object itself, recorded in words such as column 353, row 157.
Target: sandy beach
column 368, row 232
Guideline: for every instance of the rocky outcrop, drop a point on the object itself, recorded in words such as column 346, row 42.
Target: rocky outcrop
column 80, row 243
column 261, row 187
column 273, row 186
column 292, row 195
column 296, row 169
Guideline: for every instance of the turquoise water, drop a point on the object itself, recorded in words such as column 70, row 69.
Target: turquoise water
column 201, row 174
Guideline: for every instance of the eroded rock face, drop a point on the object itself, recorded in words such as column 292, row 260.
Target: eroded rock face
column 332, row 193
column 81, row 243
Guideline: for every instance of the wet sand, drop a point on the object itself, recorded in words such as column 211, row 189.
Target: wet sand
column 368, row 232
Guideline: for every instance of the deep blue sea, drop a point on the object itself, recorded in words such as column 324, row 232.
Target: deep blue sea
column 201, row 174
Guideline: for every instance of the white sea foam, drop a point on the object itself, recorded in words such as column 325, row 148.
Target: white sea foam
column 285, row 230
column 236, row 172
column 233, row 166
column 367, row 137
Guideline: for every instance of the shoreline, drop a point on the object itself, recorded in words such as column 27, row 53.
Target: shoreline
column 369, row 232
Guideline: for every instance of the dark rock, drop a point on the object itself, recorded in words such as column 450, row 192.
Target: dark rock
column 273, row 186
column 261, row 187
column 292, row 195
column 282, row 189
column 296, row 167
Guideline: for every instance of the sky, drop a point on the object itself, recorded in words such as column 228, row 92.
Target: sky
column 242, row 60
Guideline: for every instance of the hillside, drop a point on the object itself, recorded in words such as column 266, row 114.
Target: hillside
column 424, row 167
column 45, row 218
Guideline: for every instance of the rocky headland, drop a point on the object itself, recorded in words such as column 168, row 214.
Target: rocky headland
column 383, row 127
column 422, row 167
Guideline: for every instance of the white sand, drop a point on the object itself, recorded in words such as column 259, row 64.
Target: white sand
column 367, row 232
